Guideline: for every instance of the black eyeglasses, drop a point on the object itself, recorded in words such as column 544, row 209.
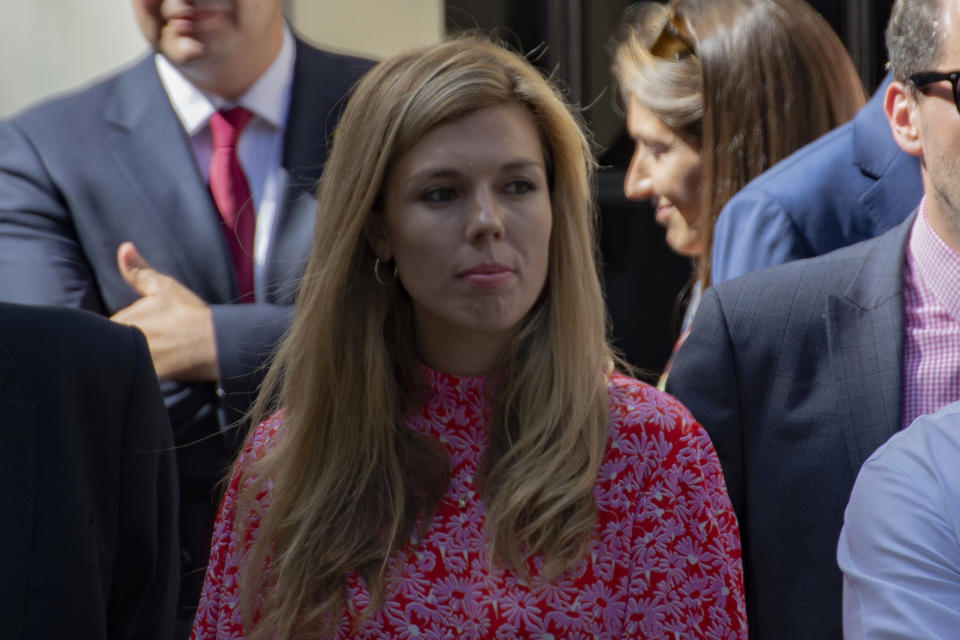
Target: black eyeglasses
column 926, row 78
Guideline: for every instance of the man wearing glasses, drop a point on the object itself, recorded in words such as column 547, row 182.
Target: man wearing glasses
column 814, row 364
column 899, row 550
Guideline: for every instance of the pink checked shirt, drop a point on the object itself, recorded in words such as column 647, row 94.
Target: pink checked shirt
column 931, row 306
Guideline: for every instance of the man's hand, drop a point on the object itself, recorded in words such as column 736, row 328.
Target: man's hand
column 178, row 325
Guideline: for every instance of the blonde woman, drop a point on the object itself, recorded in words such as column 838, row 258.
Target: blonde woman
column 446, row 451
column 718, row 91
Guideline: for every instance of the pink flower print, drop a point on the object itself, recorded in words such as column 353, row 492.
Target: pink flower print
column 558, row 595
column 645, row 617
column 652, row 504
column 207, row 608
column 402, row 620
column 455, row 626
column 616, row 535
column 613, row 482
column 677, row 628
column 717, row 550
column 656, row 413
column 460, row 594
column 520, row 609
column 660, row 500
column 413, row 585
column 696, row 593
column 628, row 444
column 569, row 620
column 424, row 561
column 721, row 631
column 605, row 567
column 605, row 604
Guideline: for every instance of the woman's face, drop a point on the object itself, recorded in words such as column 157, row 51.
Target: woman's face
column 467, row 218
column 667, row 170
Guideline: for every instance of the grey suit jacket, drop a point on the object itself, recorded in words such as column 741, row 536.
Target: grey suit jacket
column 81, row 174
column 796, row 374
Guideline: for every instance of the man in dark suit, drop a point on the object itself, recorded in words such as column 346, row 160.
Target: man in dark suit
column 108, row 203
column 800, row 371
column 848, row 185
column 89, row 498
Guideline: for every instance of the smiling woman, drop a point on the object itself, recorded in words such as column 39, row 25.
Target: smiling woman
column 716, row 92
column 448, row 451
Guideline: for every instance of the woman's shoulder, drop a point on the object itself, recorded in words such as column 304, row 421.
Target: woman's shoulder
column 637, row 406
column 264, row 437
column 654, row 439
column 651, row 423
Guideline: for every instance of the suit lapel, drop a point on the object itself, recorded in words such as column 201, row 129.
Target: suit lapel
column 889, row 198
column 304, row 153
column 18, row 453
column 152, row 154
column 321, row 82
column 311, row 108
column 865, row 338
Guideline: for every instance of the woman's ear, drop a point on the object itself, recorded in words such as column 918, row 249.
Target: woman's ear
column 375, row 230
column 900, row 105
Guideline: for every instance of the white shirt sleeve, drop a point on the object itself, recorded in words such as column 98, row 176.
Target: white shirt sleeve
column 899, row 549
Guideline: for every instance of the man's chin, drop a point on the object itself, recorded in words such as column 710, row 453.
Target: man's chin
column 185, row 51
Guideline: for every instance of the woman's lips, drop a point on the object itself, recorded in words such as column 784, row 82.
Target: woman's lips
column 663, row 214
column 487, row 276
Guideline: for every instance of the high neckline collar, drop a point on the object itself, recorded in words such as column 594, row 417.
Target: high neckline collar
column 437, row 380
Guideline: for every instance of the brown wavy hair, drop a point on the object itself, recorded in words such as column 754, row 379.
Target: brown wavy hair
column 761, row 79
column 347, row 480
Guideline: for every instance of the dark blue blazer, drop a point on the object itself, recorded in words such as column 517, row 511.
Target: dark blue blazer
column 850, row 184
column 88, row 504
column 796, row 374
column 83, row 173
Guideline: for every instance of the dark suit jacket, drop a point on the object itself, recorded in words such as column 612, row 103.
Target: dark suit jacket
column 796, row 374
column 81, row 174
column 88, row 504
column 849, row 185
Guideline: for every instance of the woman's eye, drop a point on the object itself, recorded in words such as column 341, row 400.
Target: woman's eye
column 657, row 150
column 519, row 187
column 439, row 194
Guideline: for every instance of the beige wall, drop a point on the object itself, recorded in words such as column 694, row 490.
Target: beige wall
column 374, row 28
column 50, row 46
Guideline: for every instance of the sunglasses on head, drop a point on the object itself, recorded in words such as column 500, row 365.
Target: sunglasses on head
column 673, row 41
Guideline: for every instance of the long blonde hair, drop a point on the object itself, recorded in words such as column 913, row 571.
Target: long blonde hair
column 761, row 79
column 347, row 480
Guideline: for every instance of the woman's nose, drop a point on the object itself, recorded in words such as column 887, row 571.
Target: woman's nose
column 637, row 184
column 485, row 216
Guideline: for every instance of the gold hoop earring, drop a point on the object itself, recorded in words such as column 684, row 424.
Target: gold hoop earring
column 376, row 273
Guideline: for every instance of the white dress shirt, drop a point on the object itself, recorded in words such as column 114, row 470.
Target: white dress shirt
column 900, row 546
column 260, row 147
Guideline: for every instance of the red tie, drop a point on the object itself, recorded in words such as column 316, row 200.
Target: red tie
column 231, row 194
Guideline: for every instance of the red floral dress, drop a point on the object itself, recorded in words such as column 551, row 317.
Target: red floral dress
column 663, row 561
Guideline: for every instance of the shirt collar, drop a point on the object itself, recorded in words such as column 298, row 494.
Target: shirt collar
column 937, row 264
column 268, row 97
